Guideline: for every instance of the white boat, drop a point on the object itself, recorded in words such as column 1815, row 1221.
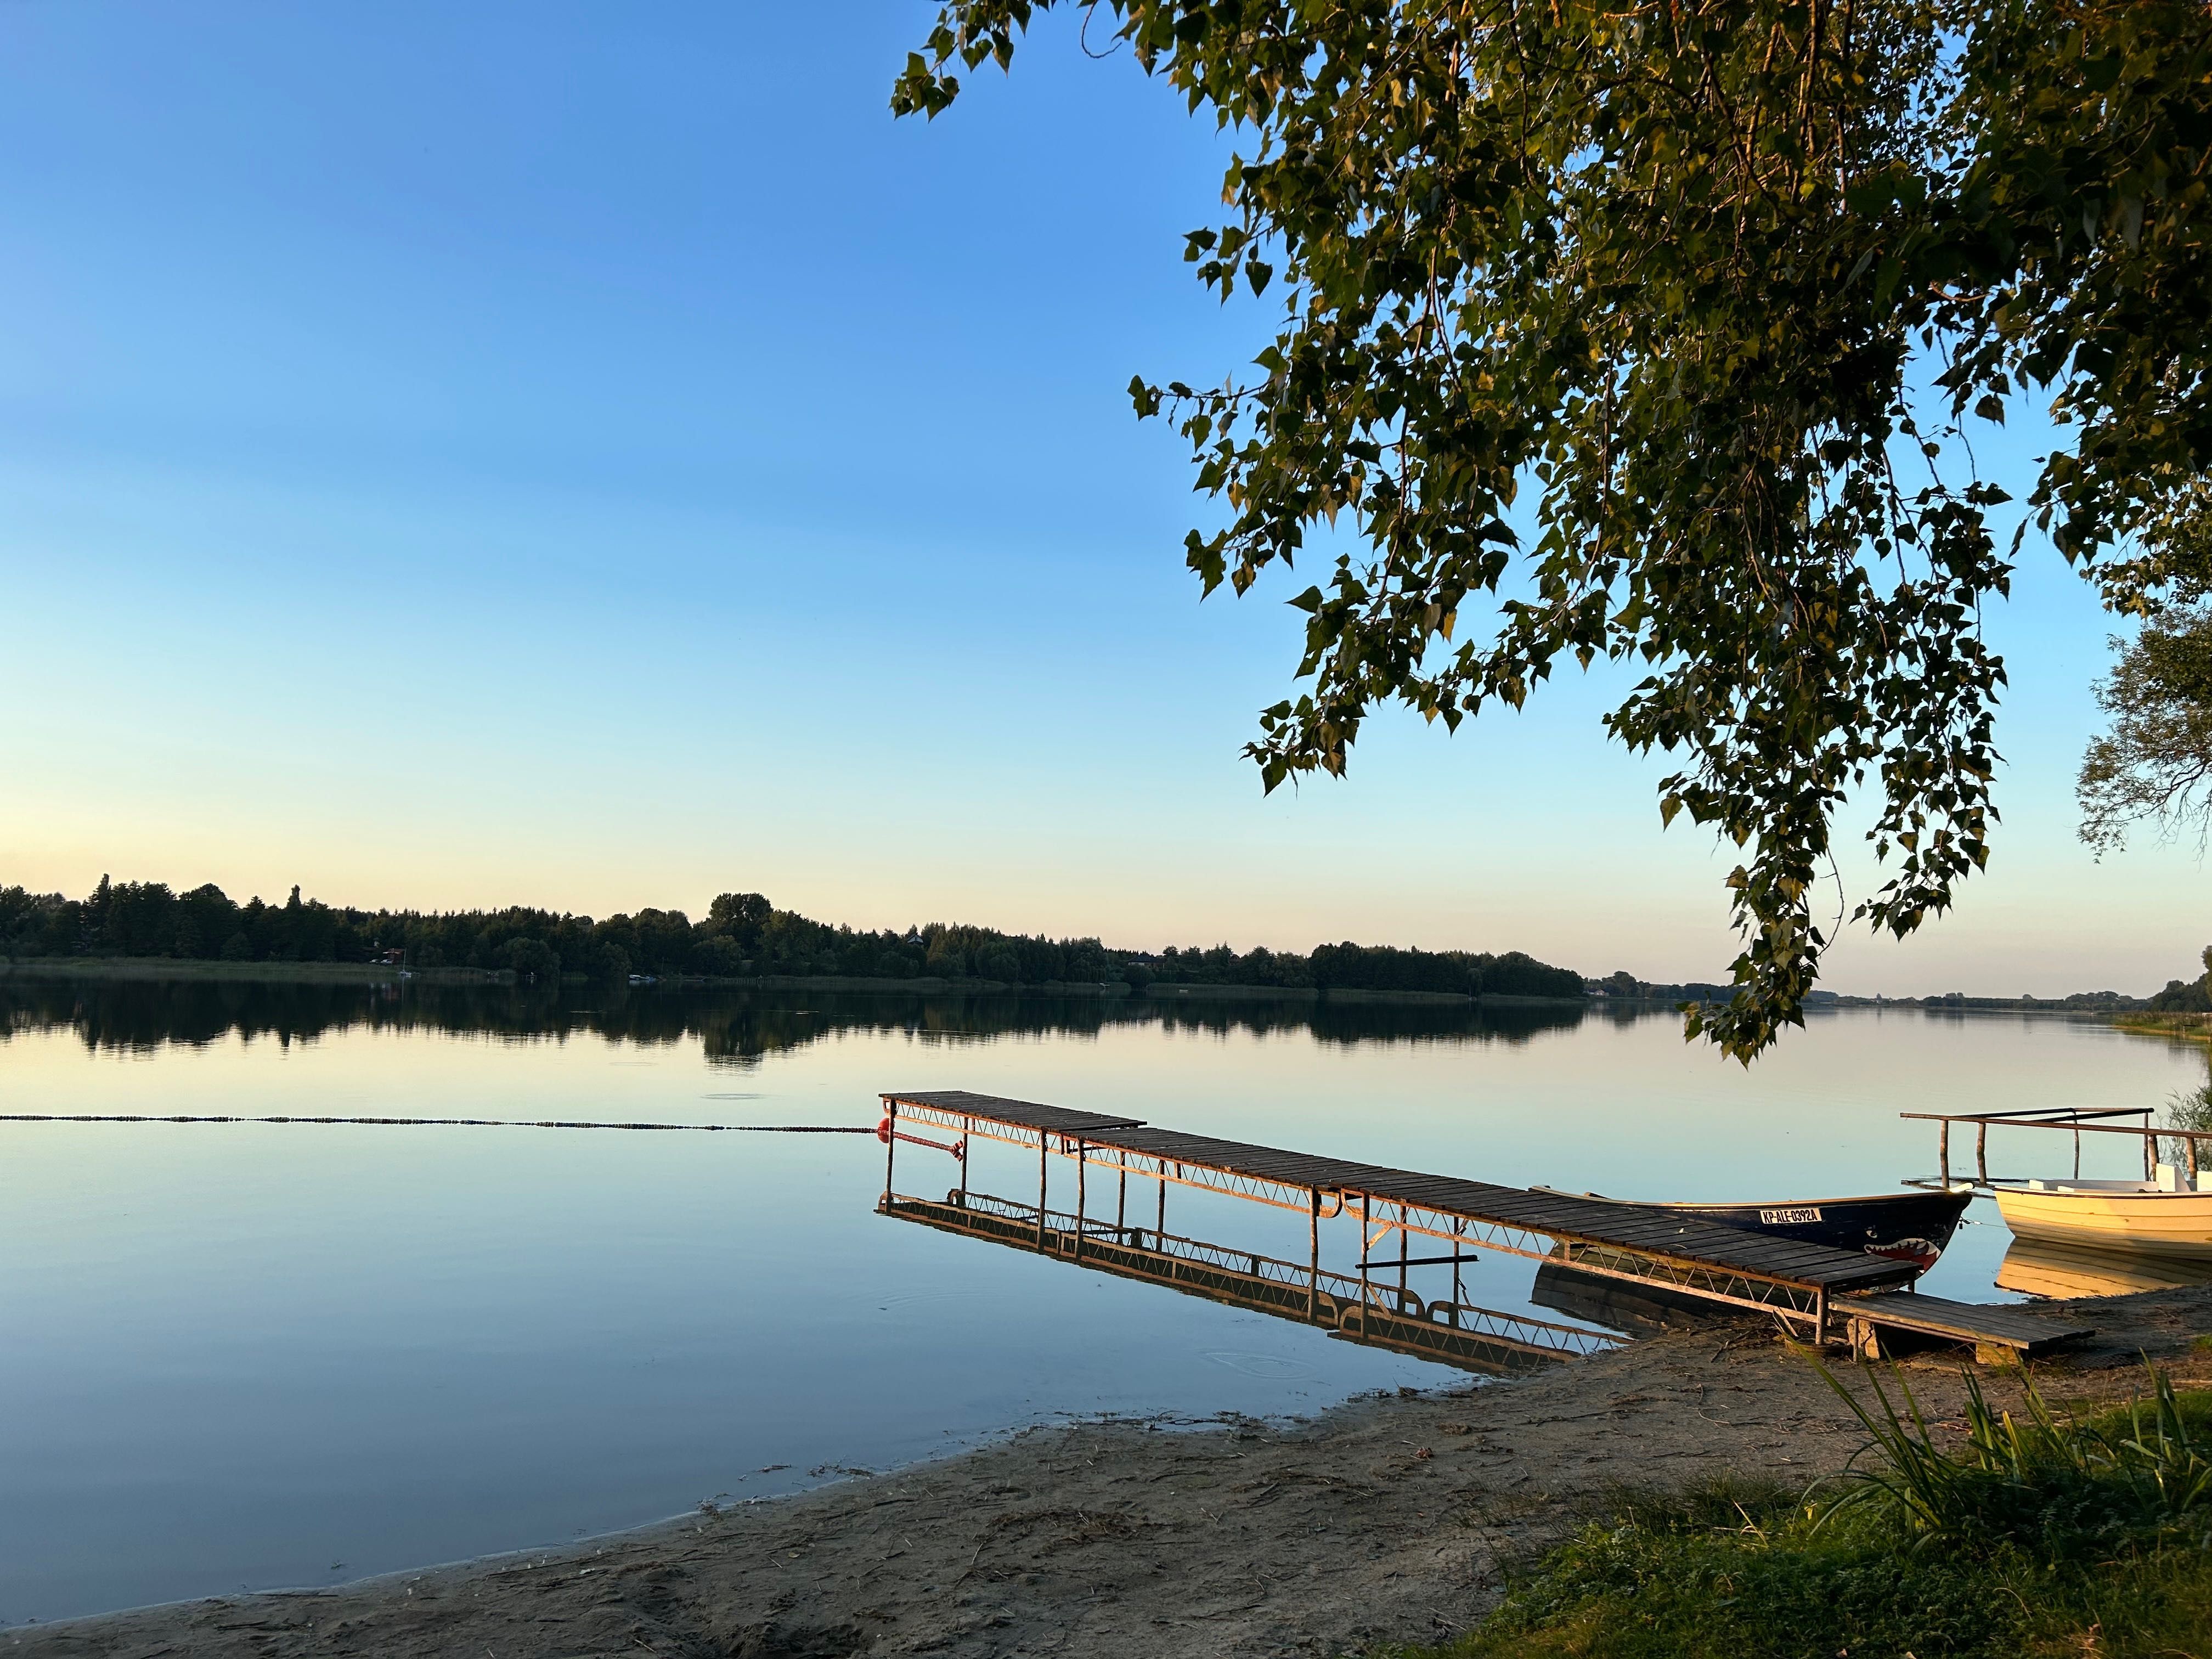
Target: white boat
column 2166, row 1215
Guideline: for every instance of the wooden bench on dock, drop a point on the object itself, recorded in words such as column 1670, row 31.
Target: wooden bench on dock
column 2001, row 1336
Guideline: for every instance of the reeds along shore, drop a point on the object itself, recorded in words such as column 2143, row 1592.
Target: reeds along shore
column 2195, row 1028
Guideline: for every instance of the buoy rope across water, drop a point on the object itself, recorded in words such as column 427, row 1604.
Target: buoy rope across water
column 445, row 1124
column 885, row 1133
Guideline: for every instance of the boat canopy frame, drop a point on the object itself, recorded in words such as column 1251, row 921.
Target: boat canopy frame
column 2076, row 1120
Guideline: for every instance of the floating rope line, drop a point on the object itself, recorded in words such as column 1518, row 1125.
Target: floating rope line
column 447, row 1123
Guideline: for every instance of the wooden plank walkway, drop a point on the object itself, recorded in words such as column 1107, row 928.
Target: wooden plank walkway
column 1626, row 1241
column 1636, row 1228
column 1024, row 1114
column 1998, row 1333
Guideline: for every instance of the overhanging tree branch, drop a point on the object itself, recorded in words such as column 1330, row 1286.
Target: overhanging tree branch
column 1670, row 268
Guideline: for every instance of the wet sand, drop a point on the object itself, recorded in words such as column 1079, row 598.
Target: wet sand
column 1384, row 1520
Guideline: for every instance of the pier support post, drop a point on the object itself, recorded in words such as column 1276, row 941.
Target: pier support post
column 1160, row 1225
column 1943, row 1149
column 1459, row 1295
column 1313, row 1258
column 1363, row 1264
column 1082, row 1166
column 1403, row 1239
column 1122, row 1200
column 1044, row 1151
column 967, row 1130
column 1982, row 1152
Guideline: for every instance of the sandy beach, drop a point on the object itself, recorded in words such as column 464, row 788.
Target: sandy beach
column 1384, row 1520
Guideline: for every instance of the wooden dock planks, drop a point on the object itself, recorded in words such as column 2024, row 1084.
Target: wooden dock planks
column 1997, row 1333
column 1570, row 1218
column 1632, row 1229
column 1023, row 1113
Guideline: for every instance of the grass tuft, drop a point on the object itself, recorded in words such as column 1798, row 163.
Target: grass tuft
column 2040, row 1533
column 2056, row 1486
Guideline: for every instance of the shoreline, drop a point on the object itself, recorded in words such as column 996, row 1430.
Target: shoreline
column 1382, row 1519
column 363, row 973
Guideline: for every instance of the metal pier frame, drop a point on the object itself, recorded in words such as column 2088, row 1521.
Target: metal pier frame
column 1797, row 1284
column 1454, row 1332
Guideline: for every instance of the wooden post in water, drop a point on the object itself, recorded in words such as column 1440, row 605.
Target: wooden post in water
column 1982, row 1152
column 1044, row 1151
column 1122, row 1200
column 1082, row 1165
column 2192, row 1144
column 1363, row 1264
column 1313, row 1257
column 1459, row 1227
column 1403, row 1238
column 967, row 1129
column 1160, row 1226
column 2150, row 1150
column 1943, row 1149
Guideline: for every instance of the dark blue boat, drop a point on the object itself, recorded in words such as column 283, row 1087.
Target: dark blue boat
column 1907, row 1227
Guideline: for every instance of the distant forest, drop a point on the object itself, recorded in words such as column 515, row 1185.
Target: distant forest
column 734, row 1028
column 741, row 936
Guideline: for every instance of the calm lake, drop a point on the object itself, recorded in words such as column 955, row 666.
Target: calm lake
column 252, row 1356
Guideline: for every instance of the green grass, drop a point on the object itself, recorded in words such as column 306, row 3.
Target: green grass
column 2042, row 1533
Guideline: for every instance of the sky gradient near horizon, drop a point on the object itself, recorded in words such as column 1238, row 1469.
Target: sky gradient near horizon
column 594, row 457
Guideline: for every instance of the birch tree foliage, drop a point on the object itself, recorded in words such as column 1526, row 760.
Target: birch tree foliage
column 1664, row 274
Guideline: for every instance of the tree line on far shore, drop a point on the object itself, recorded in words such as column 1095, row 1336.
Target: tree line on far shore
column 742, row 935
column 2192, row 996
column 129, row 1014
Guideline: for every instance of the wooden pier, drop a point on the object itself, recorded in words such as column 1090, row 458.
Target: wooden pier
column 1803, row 1286
column 2000, row 1335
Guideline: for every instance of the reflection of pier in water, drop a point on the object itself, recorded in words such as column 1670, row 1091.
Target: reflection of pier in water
column 1687, row 1253
column 1388, row 1316
column 1659, row 1251
column 1792, row 1280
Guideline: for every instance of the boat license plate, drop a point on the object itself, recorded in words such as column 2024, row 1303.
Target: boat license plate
column 1788, row 1218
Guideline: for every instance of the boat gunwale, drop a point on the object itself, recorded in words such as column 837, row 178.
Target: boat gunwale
column 1957, row 1189
column 2016, row 1186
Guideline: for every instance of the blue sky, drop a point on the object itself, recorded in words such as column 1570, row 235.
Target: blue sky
column 593, row 456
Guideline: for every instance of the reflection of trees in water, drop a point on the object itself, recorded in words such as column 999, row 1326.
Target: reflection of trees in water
column 733, row 1028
